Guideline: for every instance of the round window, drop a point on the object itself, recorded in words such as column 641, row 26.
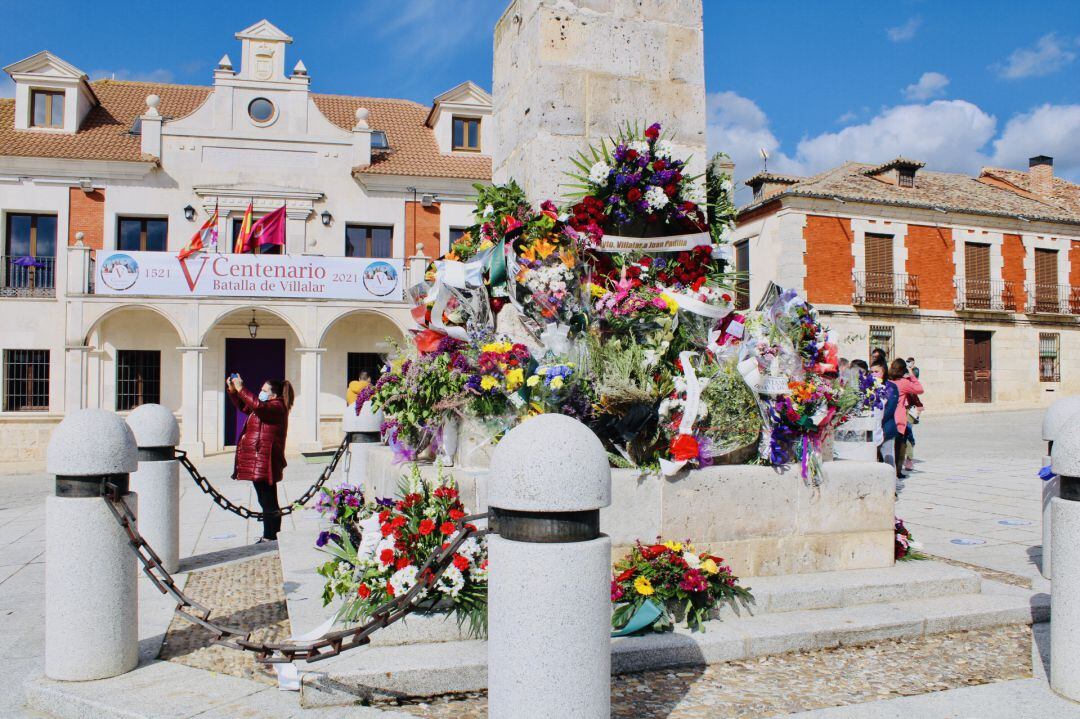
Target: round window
column 261, row 110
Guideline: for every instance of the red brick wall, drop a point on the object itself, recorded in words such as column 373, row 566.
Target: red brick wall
column 829, row 260
column 1074, row 264
column 930, row 256
column 87, row 215
column 422, row 227
column 1012, row 252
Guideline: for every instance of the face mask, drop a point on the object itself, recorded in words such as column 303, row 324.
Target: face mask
column 263, row 396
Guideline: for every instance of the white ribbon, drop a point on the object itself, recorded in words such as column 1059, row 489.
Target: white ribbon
column 459, row 274
column 442, row 298
column 692, row 304
column 669, row 243
column 691, row 404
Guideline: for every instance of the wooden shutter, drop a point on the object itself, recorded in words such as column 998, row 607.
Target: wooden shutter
column 879, row 254
column 977, row 262
column 1046, row 267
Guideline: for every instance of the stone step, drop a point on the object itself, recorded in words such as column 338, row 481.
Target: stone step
column 447, row 667
column 786, row 593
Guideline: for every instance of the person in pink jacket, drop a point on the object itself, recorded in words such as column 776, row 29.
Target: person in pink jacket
column 909, row 388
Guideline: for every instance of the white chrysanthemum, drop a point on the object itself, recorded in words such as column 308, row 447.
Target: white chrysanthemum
column 403, row 580
column 656, row 198
column 692, row 560
column 470, row 548
column 640, row 146
column 385, row 543
column 694, row 192
column 664, row 149
column 599, row 173
column 452, row 581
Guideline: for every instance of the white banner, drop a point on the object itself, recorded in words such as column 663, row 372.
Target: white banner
column 670, row 243
column 207, row 274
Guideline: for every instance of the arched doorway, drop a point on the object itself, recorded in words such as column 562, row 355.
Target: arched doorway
column 133, row 360
column 354, row 342
column 255, row 343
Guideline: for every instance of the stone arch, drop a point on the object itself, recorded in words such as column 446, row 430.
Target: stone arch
column 96, row 323
column 227, row 311
column 389, row 318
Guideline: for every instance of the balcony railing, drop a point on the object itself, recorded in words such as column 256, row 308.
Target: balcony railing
column 886, row 288
column 985, row 295
column 27, row 276
column 1053, row 299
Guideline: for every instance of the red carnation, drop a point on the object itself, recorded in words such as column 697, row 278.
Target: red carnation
column 625, row 575
column 653, row 131
column 363, row 591
column 634, row 194
column 402, row 563
column 645, row 262
column 399, row 522
column 631, row 155
column 447, row 528
column 659, row 165
column 461, row 562
column 456, row 514
column 726, row 297
column 698, row 283
column 390, row 589
column 386, row 530
column 670, row 190
column 684, row 447
column 386, row 556
column 427, row 526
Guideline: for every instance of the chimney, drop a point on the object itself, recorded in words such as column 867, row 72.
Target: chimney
column 1041, row 172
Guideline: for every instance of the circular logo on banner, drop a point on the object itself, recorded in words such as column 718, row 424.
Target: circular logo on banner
column 380, row 278
column 119, row 272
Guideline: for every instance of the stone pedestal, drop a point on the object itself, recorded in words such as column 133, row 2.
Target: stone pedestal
column 1065, row 600
column 568, row 73
column 1050, row 490
column 157, row 481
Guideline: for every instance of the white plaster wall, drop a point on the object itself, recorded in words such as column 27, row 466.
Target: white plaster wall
column 137, row 329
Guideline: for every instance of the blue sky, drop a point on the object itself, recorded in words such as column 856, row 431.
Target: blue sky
column 958, row 84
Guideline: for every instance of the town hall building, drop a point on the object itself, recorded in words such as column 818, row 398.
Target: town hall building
column 98, row 178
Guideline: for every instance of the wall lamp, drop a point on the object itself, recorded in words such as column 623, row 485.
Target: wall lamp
column 189, row 213
column 327, row 218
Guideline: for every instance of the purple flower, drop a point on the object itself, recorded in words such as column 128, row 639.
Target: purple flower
column 325, row 537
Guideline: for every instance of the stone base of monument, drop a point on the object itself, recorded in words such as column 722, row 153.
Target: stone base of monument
column 762, row 520
column 792, row 613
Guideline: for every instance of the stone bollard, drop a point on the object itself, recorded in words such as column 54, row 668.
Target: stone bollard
column 91, row 595
column 1055, row 419
column 549, row 601
column 1065, row 594
column 362, row 431
column 157, row 481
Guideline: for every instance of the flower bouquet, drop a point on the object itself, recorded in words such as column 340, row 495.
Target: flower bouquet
column 389, row 559
column 907, row 549
column 683, row 583
column 638, row 188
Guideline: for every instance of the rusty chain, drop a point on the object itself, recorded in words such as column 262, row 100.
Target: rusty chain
column 247, row 513
column 328, row 645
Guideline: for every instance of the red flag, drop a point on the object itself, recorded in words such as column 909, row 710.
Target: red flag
column 267, row 230
column 203, row 238
column 245, row 230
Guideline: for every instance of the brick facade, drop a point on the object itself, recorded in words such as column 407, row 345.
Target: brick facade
column 829, row 260
column 1074, row 264
column 930, row 257
column 87, row 215
column 1012, row 254
column 422, row 228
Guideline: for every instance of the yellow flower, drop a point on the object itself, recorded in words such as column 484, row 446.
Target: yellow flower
column 556, row 382
column 709, row 567
column 533, row 381
column 596, row 290
column 672, row 305
column 673, row 546
column 500, row 347
column 488, row 382
column 515, row 378
column 643, row 586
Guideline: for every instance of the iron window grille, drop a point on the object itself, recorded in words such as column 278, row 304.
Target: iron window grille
column 1049, row 357
column 138, row 378
column 883, row 336
column 358, row 362
column 26, row 380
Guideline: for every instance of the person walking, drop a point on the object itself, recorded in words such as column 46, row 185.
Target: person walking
column 260, row 450
column 889, row 432
column 910, row 388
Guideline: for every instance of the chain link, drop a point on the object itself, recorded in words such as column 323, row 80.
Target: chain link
column 247, row 513
column 328, row 645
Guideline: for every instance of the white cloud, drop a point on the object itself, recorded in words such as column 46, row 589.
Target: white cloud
column 157, row 75
column 930, row 85
column 1048, row 55
column 905, row 32
column 737, row 126
column 1046, row 130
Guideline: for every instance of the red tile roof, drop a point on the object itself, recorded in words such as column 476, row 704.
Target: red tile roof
column 105, row 133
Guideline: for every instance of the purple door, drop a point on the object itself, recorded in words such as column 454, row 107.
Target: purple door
column 255, row 361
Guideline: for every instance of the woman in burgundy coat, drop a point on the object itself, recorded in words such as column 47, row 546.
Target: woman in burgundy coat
column 260, row 450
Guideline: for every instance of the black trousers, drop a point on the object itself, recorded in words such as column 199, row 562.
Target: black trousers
column 268, row 502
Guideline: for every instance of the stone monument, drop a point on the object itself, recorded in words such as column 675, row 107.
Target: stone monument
column 569, row 73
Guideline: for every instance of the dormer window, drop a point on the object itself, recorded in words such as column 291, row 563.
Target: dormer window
column 47, row 108
column 379, row 141
column 906, row 177
column 466, row 134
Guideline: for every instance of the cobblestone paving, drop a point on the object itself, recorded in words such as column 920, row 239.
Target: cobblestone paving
column 245, row 594
column 800, row 681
